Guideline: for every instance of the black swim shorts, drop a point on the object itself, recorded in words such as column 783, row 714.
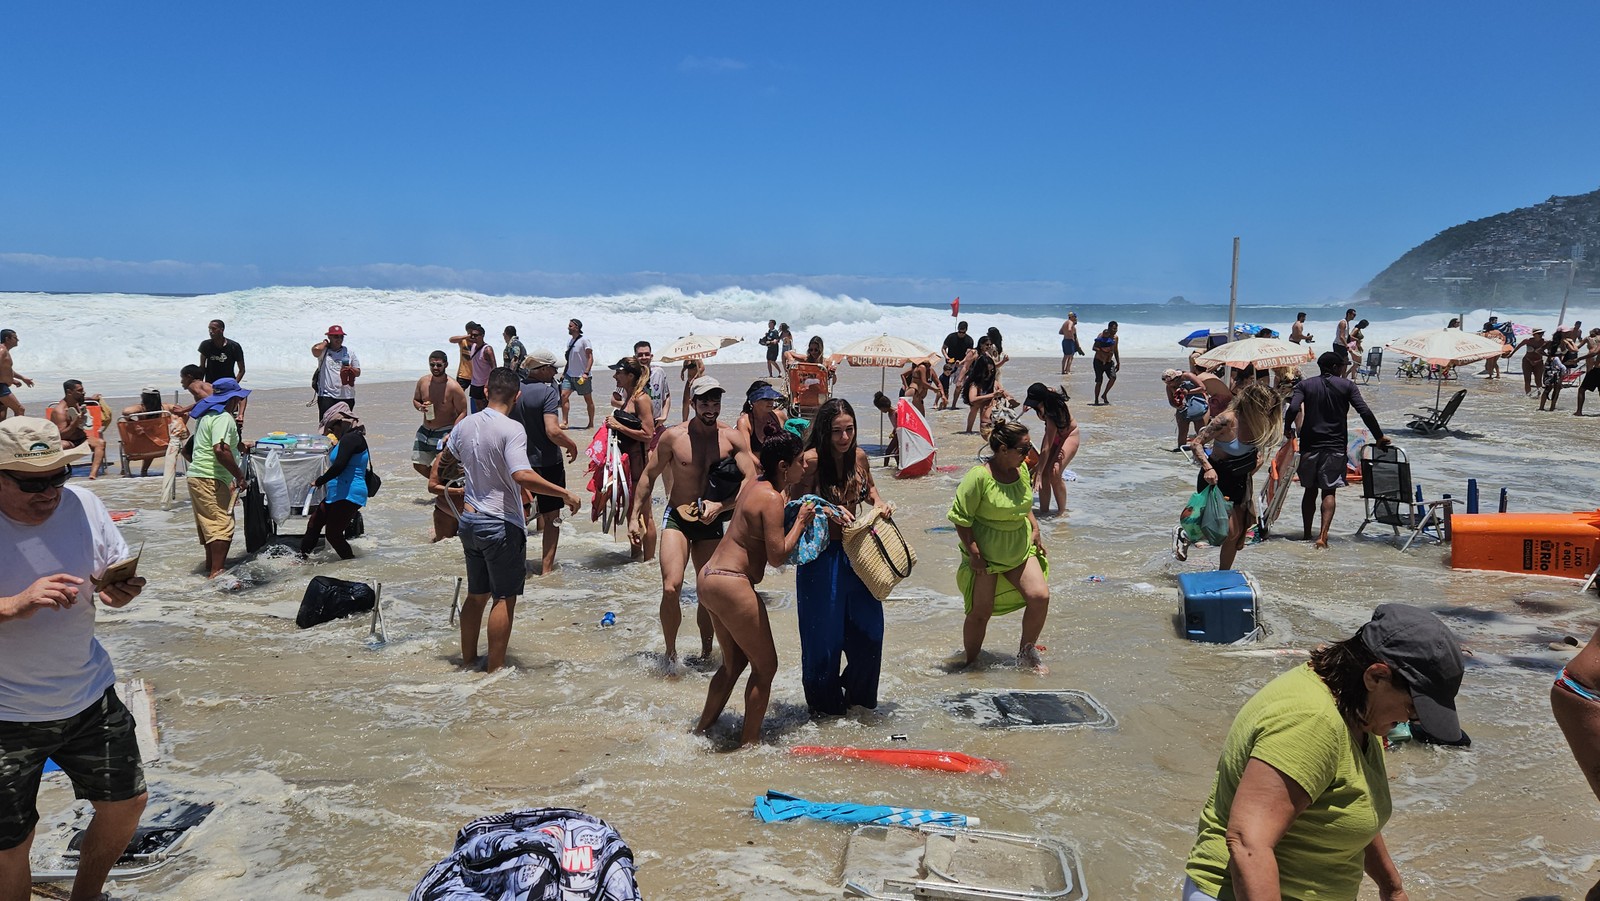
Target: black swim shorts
column 692, row 530
column 95, row 748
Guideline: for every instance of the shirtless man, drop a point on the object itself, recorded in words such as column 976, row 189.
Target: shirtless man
column 756, row 540
column 918, row 382
column 686, row 453
column 69, row 416
column 1297, row 332
column 9, row 377
column 1107, row 360
column 1591, row 377
column 1069, row 343
column 1532, row 361
column 442, row 403
column 1341, row 336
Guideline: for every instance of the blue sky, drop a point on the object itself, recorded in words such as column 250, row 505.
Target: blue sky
column 895, row 151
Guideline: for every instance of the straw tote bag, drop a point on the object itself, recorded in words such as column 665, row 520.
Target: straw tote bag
column 878, row 552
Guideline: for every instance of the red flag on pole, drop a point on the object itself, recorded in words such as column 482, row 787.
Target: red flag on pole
column 955, row 308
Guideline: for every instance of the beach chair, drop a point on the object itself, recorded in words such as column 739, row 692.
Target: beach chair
column 1373, row 367
column 808, row 387
column 143, row 436
column 1438, row 420
column 1389, row 498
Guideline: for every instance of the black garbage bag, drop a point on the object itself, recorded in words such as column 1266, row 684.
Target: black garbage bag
column 328, row 599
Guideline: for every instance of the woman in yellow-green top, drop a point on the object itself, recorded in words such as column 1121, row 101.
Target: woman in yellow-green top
column 1301, row 794
column 1003, row 566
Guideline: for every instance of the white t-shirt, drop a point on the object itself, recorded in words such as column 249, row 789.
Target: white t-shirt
column 578, row 356
column 492, row 446
column 332, row 361
column 656, row 389
column 51, row 666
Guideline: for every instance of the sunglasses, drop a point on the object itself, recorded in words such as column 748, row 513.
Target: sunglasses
column 41, row 484
column 436, row 365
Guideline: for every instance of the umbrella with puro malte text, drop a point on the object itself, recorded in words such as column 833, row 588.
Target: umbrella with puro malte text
column 696, row 347
column 1446, row 347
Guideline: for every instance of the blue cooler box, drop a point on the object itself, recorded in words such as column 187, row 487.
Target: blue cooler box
column 1218, row 606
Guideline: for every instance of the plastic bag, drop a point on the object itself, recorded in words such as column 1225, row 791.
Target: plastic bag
column 1205, row 516
column 276, row 488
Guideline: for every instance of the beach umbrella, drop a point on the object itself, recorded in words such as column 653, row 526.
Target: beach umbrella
column 1263, row 353
column 882, row 351
column 777, row 807
column 1447, row 347
column 697, row 347
column 1205, row 338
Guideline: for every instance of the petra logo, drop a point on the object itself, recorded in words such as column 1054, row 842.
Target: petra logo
column 577, row 860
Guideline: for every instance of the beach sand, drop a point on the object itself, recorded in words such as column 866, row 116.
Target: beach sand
column 344, row 766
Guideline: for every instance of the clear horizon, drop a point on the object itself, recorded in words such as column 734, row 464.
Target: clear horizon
column 1030, row 154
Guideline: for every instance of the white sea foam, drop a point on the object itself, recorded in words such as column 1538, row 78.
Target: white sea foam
column 117, row 343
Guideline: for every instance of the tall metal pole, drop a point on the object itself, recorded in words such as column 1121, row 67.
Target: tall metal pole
column 1233, row 290
column 1572, row 268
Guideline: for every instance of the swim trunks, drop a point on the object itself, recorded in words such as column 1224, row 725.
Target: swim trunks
column 694, row 531
column 583, row 386
column 427, row 443
column 5, row 390
column 1105, row 367
column 1323, row 470
column 1591, row 380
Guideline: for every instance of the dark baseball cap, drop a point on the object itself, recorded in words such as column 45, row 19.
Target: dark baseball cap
column 1422, row 649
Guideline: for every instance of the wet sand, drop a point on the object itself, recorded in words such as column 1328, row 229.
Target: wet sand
column 345, row 766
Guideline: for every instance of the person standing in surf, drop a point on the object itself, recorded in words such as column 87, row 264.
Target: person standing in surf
column 1326, row 400
column 773, row 342
column 838, row 616
column 1240, row 437
column 221, row 356
column 478, row 357
column 955, row 348
column 10, row 377
column 575, row 379
column 705, row 459
column 1297, row 332
column 1061, row 440
column 1069, row 343
column 442, row 403
column 337, row 371
column 1107, row 360
column 755, row 540
column 1004, row 566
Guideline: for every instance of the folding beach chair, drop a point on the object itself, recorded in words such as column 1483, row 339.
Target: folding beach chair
column 144, row 436
column 1373, row 367
column 808, row 387
column 1389, row 498
column 1438, row 420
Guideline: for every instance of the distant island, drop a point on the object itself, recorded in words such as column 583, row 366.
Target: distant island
column 1508, row 260
column 1178, row 301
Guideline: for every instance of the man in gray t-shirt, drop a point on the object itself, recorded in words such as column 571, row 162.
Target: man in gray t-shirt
column 493, row 451
column 538, row 410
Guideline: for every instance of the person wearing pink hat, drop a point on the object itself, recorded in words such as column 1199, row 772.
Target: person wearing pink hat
column 337, row 371
column 58, row 546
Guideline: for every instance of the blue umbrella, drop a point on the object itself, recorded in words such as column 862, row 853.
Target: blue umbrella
column 1205, row 339
column 776, row 807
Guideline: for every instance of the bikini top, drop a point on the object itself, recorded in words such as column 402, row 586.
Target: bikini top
column 1234, row 448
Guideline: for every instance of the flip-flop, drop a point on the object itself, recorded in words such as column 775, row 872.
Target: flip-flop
column 1180, row 544
column 688, row 512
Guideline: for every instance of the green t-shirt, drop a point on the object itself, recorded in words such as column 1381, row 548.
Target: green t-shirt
column 1293, row 725
column 212, row 430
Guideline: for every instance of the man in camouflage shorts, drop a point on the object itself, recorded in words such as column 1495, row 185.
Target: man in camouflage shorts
column 56, row 682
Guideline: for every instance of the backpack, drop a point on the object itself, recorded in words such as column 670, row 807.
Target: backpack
column 544, row 854
column 328, row 599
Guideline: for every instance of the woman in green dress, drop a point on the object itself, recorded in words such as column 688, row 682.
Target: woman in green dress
column 1003, row 566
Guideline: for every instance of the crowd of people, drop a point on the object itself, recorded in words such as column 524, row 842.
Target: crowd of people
column 1300, row 796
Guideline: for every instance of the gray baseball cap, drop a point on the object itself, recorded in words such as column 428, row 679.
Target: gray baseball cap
column 1422, row 649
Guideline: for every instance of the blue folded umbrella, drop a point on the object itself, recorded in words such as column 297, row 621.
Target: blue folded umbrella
column 777, row 807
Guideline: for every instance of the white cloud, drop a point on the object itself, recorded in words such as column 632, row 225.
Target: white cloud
column 39, row 272
column 711, row 64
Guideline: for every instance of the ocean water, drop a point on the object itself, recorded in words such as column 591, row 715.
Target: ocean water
column 118, row 343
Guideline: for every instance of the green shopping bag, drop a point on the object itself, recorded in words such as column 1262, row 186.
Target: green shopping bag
column 1205, row 517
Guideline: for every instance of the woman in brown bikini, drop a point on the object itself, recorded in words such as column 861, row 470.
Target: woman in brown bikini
column 728, row 583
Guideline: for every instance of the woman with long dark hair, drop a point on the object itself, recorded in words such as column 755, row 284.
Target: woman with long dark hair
column 982, row 389
column 634, row 420
column 1061, row 442
column 1301, row 793
column 839, row 617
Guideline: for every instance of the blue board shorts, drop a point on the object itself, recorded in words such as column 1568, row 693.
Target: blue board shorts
column 1069, row 347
